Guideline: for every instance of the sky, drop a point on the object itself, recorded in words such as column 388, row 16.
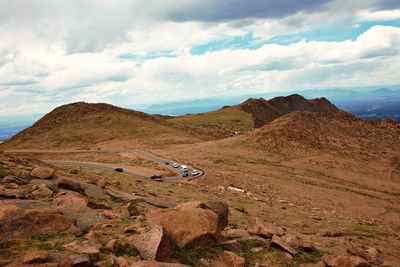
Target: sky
column 136, row 53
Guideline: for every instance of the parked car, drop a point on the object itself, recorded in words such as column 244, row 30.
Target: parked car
column 185, row 174
column 195, row 172
column 175, row 165
column 118, row 169
column 166, row 163
column 184, row 168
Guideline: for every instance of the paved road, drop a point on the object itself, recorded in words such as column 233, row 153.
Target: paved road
column 108, row 167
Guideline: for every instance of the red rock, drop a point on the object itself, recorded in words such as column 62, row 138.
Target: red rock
column 265, row 229
column 43, row 172
column 235, row 233
column 281, row 243
column 20, row 223
column 111, row 245
column 42, row 192
column 68, row 184
column 155, row 244
column 71, row 200
column 87, row 247
column 35, row 257
column 229, row 259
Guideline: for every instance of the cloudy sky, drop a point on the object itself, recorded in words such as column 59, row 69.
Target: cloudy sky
column 135, row 53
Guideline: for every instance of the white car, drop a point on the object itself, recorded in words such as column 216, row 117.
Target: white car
column 195, row 172
column 175, row 165
column 184, row 168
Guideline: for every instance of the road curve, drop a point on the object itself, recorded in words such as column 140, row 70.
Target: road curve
column 109, row 167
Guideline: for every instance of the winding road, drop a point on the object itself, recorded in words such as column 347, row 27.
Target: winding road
column 111, row 167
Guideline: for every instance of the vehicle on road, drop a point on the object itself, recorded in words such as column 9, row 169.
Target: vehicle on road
column 166, row 163
column 156, row 177
column 185, row 174
column 175, row 165
column 119, row 170
column 195, row 172
column 184, row 168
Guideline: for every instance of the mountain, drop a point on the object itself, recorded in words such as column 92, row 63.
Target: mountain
column 252, row 113
column 83, row 124
column 335, row 133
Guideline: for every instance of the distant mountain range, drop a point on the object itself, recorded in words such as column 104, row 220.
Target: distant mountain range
column 368, row 103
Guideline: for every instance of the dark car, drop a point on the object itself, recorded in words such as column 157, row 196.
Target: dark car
column 119, row 170
column 166, row 163
column 185, row 174
column 156, row 176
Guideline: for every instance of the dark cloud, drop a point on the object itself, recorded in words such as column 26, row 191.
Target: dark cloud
column 388, row 4
column 210, row 10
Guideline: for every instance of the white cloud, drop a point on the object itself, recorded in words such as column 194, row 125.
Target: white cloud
column 55, row 52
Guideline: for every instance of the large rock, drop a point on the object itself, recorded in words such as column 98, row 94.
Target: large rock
column 35, row 257
column 71, row 200
column 332, row 260
column 87, row 247
column 265, row 229
column 283, row 244
column 155, row 244
column 42, row 191
column 16, row 223
column 188, row 227
column 43, row 172
column 219, row 208
column 68, row 184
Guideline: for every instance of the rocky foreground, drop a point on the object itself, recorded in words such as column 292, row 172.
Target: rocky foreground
column 52, row 218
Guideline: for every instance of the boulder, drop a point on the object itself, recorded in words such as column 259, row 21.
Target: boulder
column 219, row 208
column 71, row 201
column 68, row 184
column 35, row 257
column 155, row 244
column 281, row 243
column 87, row 247
column 188, row 227
column 19, row 223
column 71, row 259
column 235, row 233
column 111, row 245
column 229, row 259
column 13, row 193
column 265, row 229
column 332, row 260
column 12, row 179
column 42, row 191
column 43, row 172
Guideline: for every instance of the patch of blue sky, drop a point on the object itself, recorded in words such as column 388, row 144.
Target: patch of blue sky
column 238, row 42
column 147, row 56
column 331, row 33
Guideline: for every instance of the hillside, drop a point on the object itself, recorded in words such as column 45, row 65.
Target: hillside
column 341, row 133
column 82, row 124
column 251, row 114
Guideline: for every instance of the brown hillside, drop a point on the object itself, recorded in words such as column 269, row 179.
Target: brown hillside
column 83, row 124
column 341, row 133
